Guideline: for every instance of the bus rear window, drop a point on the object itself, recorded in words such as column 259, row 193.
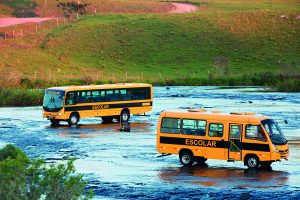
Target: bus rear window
column 170, row 125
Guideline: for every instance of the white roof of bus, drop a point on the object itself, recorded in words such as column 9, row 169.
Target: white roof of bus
column 104, row 86
column 215, row 115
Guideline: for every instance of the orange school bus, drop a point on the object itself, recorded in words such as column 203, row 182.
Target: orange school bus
column 198, row 135
column 109, row 101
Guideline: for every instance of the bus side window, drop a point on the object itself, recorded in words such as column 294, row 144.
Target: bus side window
column 71, row 98
column 115, row 96
column 81, row 97
column 235, row 131
column 141, row 93
column 109, row 95
column 170, row 125
column 215, row 130
column 255, row 132
column 125, row 94
column 96, row 95
column 193, row 127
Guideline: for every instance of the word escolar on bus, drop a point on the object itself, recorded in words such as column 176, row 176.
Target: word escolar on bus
column 99, row 107
column 108, row 101
column 195, row 142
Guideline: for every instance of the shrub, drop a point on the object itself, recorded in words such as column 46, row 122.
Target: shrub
column 22, row 178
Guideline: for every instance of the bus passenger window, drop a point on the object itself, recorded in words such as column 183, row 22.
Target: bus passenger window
column 81, row 97
column 255, row 132
column 193, row 127
column 96, row 95
column 141, row 93
column 109, row 95
column 170, row 125
column 235, row 131
column 215, row 130
column 71, row 98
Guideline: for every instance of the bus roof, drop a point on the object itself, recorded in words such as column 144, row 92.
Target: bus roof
column 104, row 86
column 215, row 116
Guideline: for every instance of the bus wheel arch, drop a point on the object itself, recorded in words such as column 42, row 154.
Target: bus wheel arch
column 186, row 157
column 125, row 115
column 73, row 118
column 251, row 161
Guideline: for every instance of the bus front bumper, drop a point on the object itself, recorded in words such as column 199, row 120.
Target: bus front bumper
column 53, row 115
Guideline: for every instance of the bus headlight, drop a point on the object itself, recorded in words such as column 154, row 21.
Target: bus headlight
column 59, row 113
column 275, row 148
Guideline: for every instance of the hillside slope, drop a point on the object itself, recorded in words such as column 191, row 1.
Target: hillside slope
column 170, row 49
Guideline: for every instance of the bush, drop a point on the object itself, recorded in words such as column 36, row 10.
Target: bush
column 22, row 178
column 23, row 8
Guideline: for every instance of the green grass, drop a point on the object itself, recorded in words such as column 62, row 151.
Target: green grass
column 177, row 49
column 20, row 97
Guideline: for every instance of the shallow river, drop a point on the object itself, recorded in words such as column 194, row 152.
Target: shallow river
column 125, row 165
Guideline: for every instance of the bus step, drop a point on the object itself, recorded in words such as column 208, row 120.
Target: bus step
column 164, row 154
column 230, row 160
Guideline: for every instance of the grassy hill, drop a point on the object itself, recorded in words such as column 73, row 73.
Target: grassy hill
column 224, row 43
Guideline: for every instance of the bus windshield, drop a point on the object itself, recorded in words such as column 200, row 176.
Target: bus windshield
column 53, row 100
column 274, row 131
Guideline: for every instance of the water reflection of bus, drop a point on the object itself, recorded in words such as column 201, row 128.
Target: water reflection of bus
column 197, row 135
column 109, row 101
column 229, row 177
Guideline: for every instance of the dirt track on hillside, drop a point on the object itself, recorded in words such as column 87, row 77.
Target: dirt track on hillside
column 183, row 8
column 4, row 22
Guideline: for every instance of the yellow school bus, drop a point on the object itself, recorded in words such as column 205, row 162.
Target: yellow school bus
column 109, row 101
column 198, row 135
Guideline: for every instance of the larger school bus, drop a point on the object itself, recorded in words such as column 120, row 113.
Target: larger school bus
column 198, row 135
column 109, row 101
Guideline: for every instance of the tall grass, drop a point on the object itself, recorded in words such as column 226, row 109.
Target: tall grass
column 20, row 97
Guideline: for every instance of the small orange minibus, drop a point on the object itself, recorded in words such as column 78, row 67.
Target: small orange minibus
column 198, row 135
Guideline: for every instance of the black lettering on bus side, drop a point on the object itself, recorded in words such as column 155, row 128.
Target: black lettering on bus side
column 99, row 107
column 195, row 142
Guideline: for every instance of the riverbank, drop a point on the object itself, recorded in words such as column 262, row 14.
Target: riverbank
column 27, row 93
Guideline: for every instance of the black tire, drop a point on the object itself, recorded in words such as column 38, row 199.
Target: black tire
column 106, row 120
column 200, row 160
column 73, row 119
column 252, row 162
column 186, row 158
column 54, row 122
column 266, row 164
column 125, row 116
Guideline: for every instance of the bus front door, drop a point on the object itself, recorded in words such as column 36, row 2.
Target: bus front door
column 234, row 140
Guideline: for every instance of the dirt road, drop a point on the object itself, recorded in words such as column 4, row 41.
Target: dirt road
column 4, row 22
column 183, row 8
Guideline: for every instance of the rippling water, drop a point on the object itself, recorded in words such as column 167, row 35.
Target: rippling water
column 125, row 164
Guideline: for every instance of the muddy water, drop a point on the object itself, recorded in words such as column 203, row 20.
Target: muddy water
column 125, row 164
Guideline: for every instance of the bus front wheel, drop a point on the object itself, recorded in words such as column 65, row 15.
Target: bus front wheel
column 252, row 162
column 73, row 119
column 125, row 116
column 54, row 122
column 186, row 158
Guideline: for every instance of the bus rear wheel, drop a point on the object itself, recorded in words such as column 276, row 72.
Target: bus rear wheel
column 73, row 119
column 252, row 162
column 125, row 116
column 186, row 158
column 54, row 122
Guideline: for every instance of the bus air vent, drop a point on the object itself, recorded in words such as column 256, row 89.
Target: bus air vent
column 242, row 113
column 197, row 110
column 215, row 111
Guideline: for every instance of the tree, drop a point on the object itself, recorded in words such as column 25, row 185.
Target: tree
column 71, row 8
column 22, row 178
